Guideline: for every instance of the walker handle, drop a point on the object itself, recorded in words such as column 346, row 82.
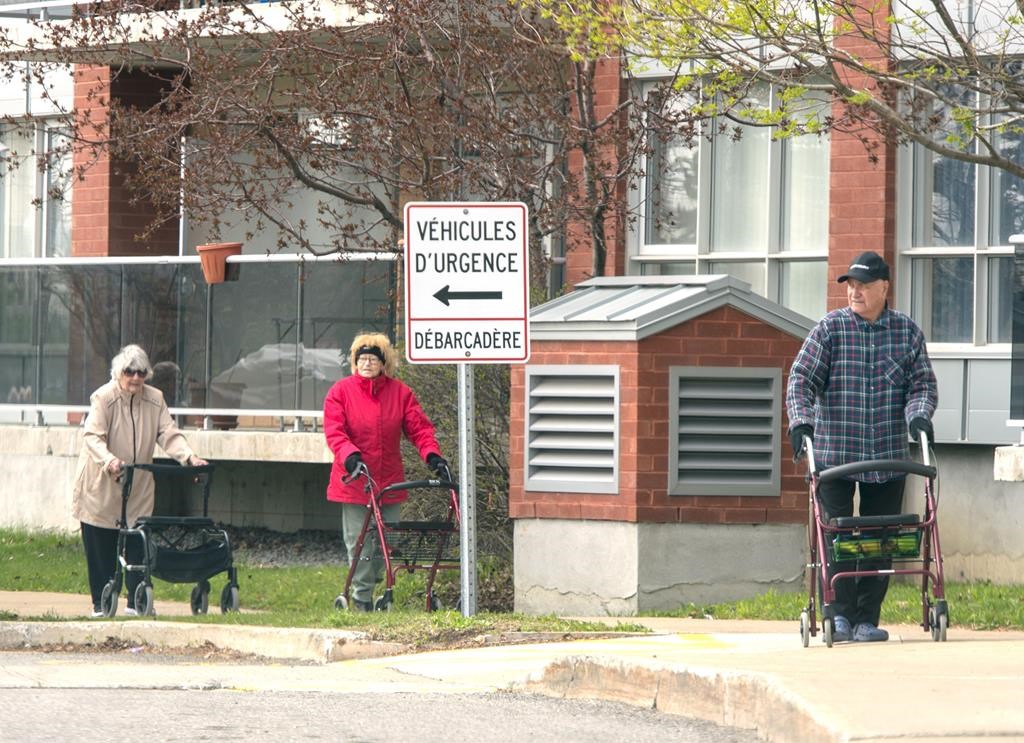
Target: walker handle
column 925, row 449
column 361, row 470
column 809, row 449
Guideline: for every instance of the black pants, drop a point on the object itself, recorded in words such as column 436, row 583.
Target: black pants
column 101, row 557
column 860, row 599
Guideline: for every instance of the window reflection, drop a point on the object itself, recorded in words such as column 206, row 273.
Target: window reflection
column 1007, row 192
column 1000, row 299
column 671, row 209
column 277, row 342
column 80, row 315
column 19, row 351
column 943, row 298
column 800, row 287
column 944, row 188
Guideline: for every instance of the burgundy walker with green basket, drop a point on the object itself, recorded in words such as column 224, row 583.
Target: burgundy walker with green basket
column 176, row 549
column 430, row 546
column 907, row 540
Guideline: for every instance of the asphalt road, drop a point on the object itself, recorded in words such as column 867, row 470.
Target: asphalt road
column 31, row 714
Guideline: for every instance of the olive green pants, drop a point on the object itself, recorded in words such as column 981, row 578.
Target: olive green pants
column 370, row 568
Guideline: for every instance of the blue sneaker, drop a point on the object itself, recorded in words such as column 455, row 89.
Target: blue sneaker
column 867, row 632
column 841, row 629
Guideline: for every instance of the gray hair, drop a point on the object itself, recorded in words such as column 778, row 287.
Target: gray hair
column 130, row 357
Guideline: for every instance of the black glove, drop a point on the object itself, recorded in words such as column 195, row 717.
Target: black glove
column 919, row 424
column 796, row 438
column 437, row 463
column 352, row 461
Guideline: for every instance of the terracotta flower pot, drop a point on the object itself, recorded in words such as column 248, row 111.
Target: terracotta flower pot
column 213, row 258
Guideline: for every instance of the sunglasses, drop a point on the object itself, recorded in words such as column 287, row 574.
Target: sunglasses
column 134, row 372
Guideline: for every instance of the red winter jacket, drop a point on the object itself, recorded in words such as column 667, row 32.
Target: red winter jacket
column 369, row 416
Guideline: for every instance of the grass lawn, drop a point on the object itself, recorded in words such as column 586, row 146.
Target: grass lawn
column 303, row 597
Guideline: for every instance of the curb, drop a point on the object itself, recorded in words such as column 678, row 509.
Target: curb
column 750, row 701
column 321, row 646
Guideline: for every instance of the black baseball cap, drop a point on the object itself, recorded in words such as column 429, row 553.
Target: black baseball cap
column 867, row 267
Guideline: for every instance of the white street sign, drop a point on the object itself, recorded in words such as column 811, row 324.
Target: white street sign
column 467, row 282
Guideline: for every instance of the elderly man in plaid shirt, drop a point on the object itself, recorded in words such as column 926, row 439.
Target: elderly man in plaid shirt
column 861, row 381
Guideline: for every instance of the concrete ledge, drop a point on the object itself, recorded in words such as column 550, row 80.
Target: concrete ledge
column 259, row 446
column 322, row 646
column 745, row 700
column 1008, row 463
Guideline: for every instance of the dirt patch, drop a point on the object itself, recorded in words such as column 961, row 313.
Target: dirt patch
column 207, row 652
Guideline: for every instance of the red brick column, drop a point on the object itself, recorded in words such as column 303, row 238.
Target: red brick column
column 862, row 194
column 610, row 90
column 90, row 206
column 104, row 219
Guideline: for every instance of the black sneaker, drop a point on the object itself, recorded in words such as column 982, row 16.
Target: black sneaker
column 362, row 605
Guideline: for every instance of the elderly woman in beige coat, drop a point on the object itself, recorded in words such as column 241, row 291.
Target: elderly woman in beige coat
column 126, row 420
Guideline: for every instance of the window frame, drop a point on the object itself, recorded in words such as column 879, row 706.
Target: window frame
column 644, row 257
column 980, row 252
column 43, row 128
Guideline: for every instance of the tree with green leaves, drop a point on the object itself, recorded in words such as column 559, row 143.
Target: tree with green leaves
column 944, row 75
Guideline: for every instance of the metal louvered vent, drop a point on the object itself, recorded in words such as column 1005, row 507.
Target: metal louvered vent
column 724, row 425
column 572, row 429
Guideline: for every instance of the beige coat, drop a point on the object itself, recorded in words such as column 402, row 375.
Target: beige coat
column 126, row 427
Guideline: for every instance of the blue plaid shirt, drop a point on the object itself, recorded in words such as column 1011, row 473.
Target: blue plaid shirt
column 859, row 384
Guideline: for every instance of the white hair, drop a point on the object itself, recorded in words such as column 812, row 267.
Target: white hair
column 130, row 357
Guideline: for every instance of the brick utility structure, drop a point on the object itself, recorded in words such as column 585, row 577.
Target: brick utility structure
column 647, row 459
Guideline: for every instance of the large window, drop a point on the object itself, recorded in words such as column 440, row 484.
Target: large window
column 955, row 244
column 274, row 339
column 35, row 197
column 742, row 204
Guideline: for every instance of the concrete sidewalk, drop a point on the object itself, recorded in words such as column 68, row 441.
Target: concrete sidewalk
column 746, row 674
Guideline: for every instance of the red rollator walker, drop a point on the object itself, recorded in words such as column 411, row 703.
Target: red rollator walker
column 908, row 541
column 407, row 545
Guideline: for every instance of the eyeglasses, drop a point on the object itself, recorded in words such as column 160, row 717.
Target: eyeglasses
column 368, row 360
column 134, row 372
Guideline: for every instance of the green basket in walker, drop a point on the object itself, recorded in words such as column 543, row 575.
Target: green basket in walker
column 863, row 546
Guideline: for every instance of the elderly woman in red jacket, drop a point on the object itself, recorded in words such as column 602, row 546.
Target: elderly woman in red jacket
column 365, row 416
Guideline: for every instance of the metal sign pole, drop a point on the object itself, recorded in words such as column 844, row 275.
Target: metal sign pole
column 467, row 489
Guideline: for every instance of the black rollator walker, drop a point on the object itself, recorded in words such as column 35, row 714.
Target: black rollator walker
column 177, row 549
column 905, row 539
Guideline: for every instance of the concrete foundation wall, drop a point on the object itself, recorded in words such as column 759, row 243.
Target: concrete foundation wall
column 568, row 566
column 609, row 568
column 981, row 520
column 576, row 567
column 709, row 563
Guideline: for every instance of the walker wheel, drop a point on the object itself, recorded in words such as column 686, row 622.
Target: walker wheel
column 827, row 626
column 805, row 628
column 384, row 603
column 200, row 599
column 108, row 599
column 939, row 620
column 144, row 600
column 434, row 604
column 229, row 599
column 341, row 602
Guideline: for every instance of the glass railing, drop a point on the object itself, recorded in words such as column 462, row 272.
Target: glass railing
column 269, row 343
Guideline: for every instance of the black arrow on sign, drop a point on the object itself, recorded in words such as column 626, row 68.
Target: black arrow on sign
column 444, row 295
